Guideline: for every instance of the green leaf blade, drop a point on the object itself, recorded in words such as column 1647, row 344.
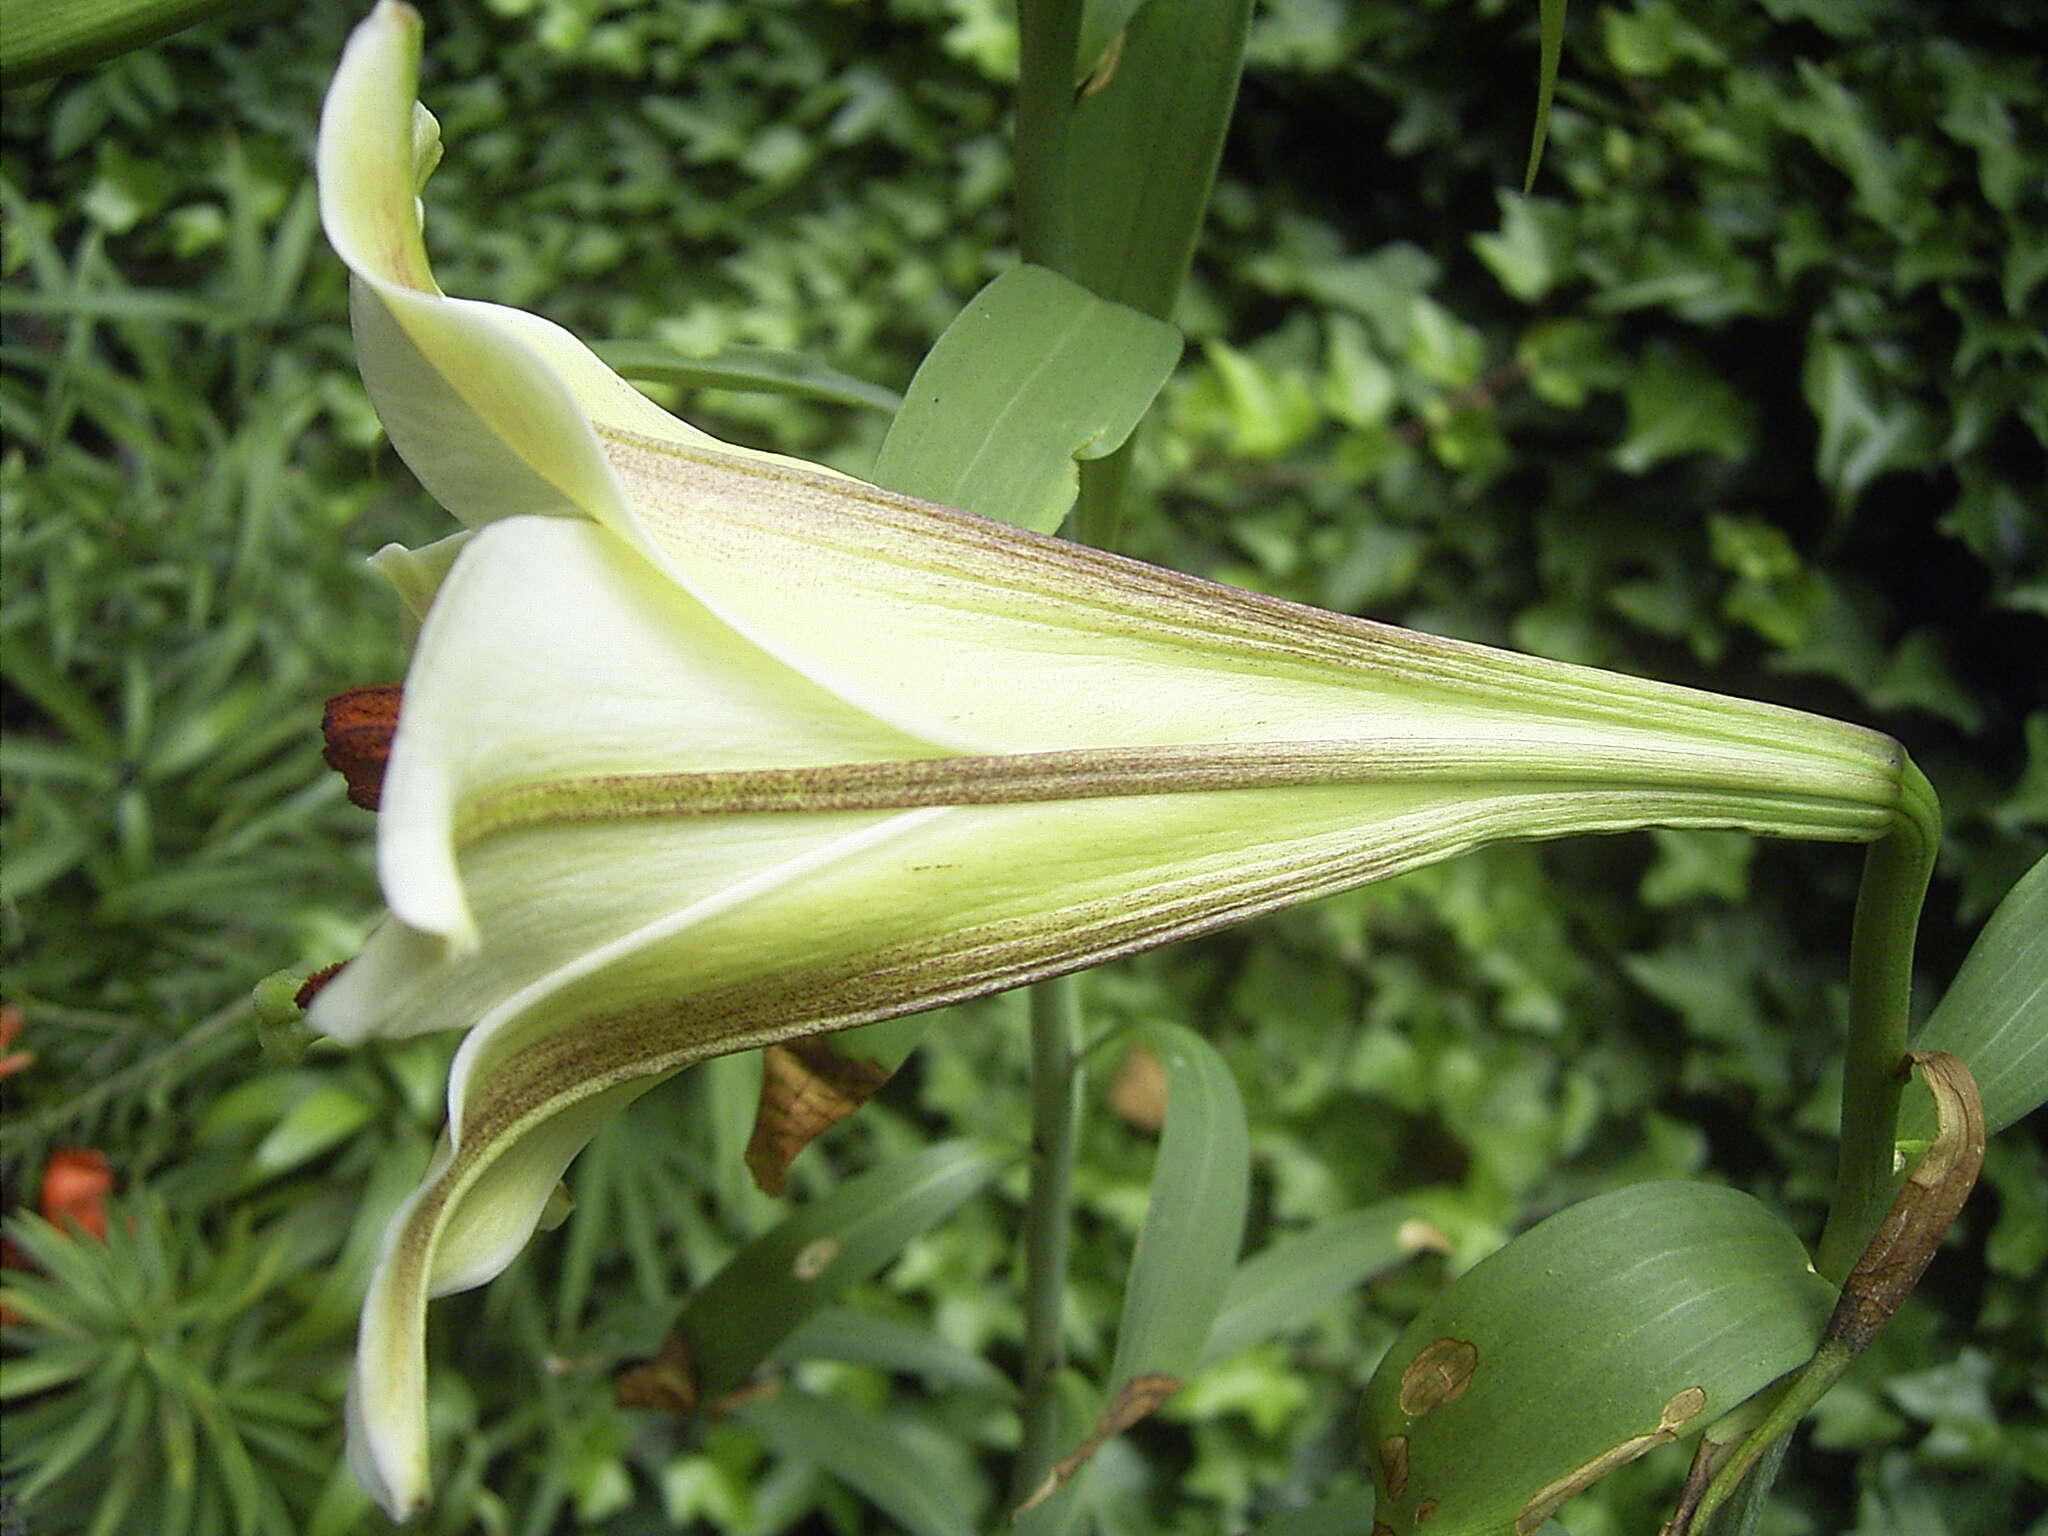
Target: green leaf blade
column 790, row 1272
column 1995, row 1015
column 1033, row 374
column 889, row 1344
column 1145, row 148
column 869, row 1455
column 1620, row 1324
column 1550, row 26
column 1194, row 1224
column 752, row 370
column 1281, row 1286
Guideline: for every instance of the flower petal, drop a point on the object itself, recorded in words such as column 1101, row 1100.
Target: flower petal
column 552, row 650
column 387, row 1409
column 1096, row 650
column 497, row 411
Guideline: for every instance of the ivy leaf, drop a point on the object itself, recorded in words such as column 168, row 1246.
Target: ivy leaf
column 1675, row 409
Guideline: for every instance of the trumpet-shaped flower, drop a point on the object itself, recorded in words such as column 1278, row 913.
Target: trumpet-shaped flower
column 703, row 749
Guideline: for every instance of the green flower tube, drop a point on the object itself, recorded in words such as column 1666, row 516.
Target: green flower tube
column 703, row 749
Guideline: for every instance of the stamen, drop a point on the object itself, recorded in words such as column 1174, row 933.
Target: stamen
column 358, row 726
column 311, row 986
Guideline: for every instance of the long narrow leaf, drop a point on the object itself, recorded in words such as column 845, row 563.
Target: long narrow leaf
column 1194, row 1224
column 1282, row 1286
column 753, row 370
column 784, row 1276
column 47, row 39
column 861, row 1338
column 867, row 1455
column 1550, row 24
column 1101, row 21
column 1145, row 147
column 1995, row 1016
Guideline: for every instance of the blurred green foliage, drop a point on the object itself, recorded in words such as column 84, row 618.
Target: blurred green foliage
column 1751, row 391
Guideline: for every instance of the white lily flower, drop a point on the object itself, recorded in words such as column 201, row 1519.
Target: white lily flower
column 703, row 749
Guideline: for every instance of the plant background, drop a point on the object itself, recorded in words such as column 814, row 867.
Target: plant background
column 1752, row 393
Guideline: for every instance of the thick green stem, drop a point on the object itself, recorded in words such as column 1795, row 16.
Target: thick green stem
column 1048, row 36
column 1896, row 872
column 1895, row 876
column 1098, row 514
column 1055, row 1129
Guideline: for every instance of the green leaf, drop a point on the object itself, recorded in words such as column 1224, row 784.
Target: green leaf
column 318, row 1122
column 1995, row 1014
column 1033, row 374
column 59, row 1453
column 1617, row 1325
column 69, row 705
column 50, row 1361
column 1342, row 1513
column 864, row 1338
column 1676, row 408
column 875, row 1458
column 1194, row 1223
column 1531, row 253
column 1551, row 29
column 1145, row 146
column 1866, row 427
column 1101, row 21
column 787, row 1274
column 1280, row 1287
column 39, row 40
column 755, row 370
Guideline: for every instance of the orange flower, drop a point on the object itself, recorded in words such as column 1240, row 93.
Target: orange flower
column 76, row 1183
column 10, row 1026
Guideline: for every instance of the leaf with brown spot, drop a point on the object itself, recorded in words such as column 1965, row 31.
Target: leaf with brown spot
column 1394, row 1464
column 1138, row 1092
column 1549, row 1499
column 1613, row 1327
column 1439, row 1375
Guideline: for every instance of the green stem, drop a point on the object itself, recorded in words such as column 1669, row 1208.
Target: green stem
column 1055, row 1131
column 1895, row 876
column 1896, row 872
column 1098, row 513
column 1800, row 1394
column 1048, row 36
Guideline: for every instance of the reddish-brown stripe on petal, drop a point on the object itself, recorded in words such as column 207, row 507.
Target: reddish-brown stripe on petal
column 357, row 727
